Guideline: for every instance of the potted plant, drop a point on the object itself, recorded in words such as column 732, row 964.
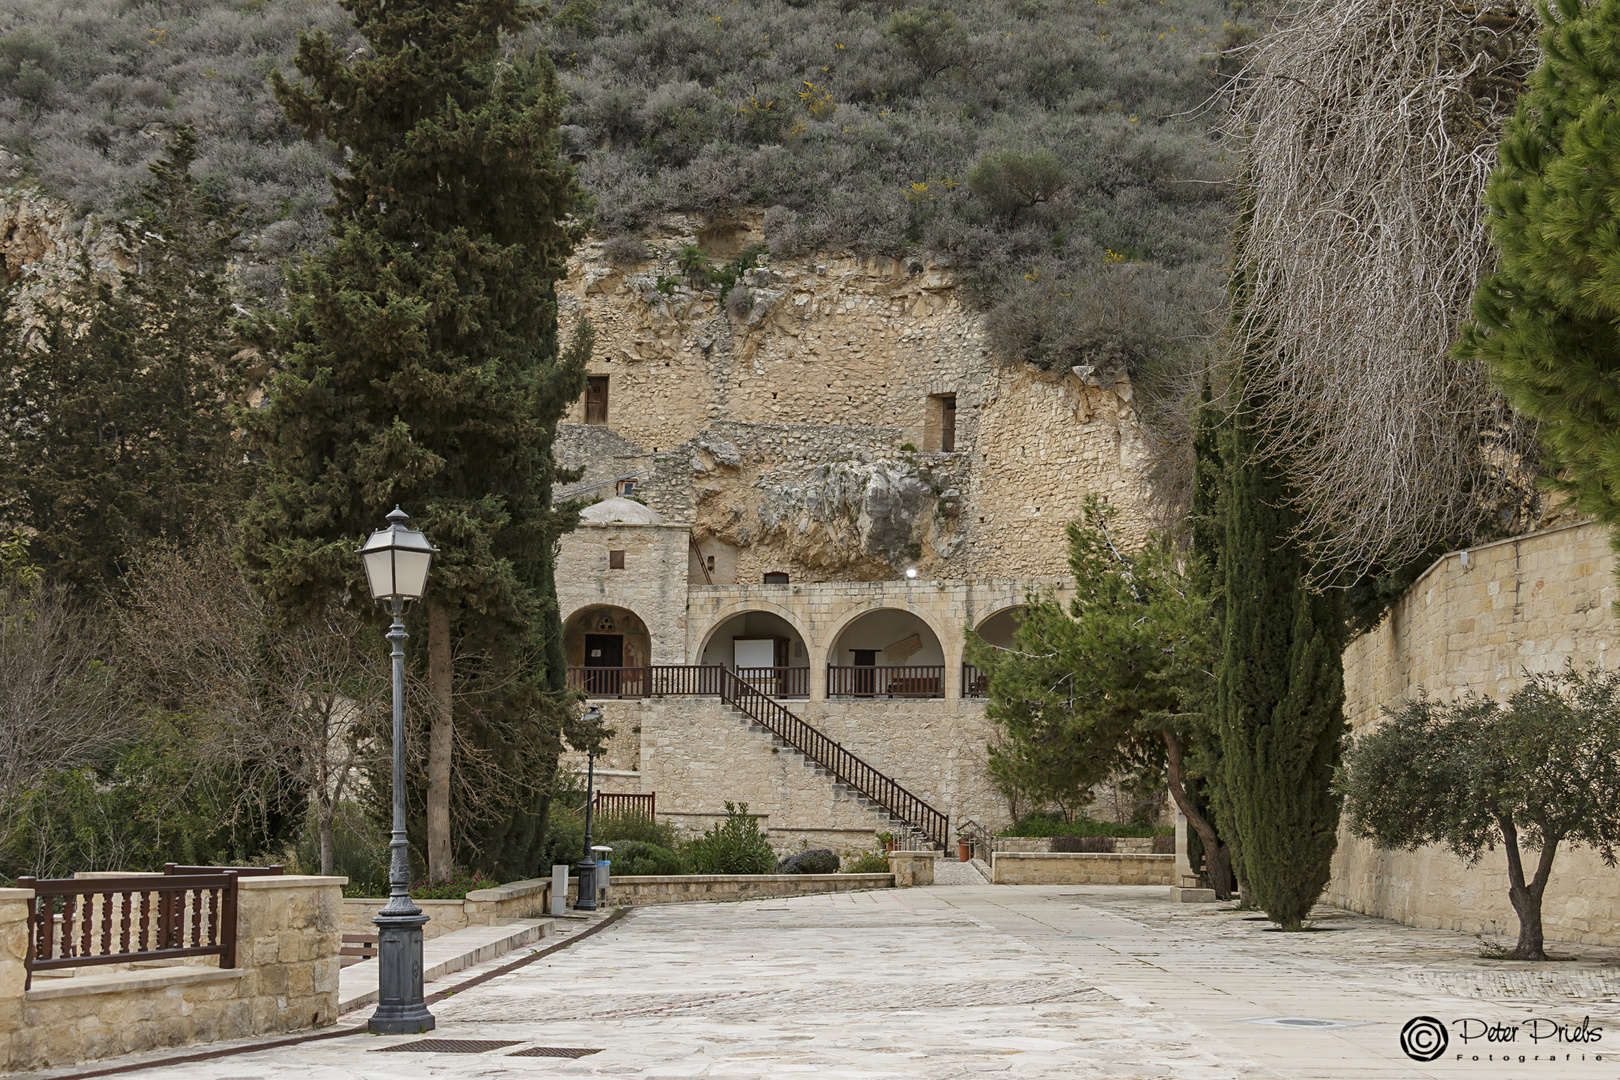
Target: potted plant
column 887, row 840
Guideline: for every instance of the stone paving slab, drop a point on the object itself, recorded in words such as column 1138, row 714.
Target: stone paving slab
column 961, row 980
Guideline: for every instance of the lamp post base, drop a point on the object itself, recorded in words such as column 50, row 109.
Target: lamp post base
column 585, row 894
column 401, row 1009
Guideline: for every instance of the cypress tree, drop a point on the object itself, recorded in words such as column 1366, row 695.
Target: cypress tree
column 421, row 366
column 118, row 414
column 1546, row 321
column 1280, row 689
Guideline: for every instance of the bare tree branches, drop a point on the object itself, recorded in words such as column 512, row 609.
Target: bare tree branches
column 1368, row 130
column 283, row 704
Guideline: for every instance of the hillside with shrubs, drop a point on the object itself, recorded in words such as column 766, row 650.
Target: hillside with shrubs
column 1057, row 153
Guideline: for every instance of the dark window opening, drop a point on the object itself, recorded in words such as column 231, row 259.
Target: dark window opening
column 708, row 561
column 615, row 560
column 776, row 577
column 626, row 487
column 596, row 399
column 947, row 424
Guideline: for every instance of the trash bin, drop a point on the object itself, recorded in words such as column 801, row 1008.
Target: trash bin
column 603, row 862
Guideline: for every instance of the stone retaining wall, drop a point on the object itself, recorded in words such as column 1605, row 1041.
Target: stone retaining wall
column 1476, row 620
column 682, row 888
column 286, row 979
column 482, row 907
column 1123, row 845
column 1080, row 868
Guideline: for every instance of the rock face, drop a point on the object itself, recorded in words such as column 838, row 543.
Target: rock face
column 834, row 417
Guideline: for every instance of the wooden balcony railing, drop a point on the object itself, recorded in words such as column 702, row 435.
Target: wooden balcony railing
column 778, row 681
column 926, row 681
column 656, row 680
column 844, row 765
column 638, row 805
column 975, row 683
column 76, row 922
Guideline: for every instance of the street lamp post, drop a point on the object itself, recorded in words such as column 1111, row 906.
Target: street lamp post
column 397, row 560
column 585, row 895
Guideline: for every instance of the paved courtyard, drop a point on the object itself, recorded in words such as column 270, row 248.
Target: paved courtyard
column 962, row 980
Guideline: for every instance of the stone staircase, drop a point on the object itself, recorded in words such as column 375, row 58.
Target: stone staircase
column 747, row 703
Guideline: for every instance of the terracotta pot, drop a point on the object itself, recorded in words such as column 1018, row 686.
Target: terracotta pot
column 964, row 851
column 889, row 845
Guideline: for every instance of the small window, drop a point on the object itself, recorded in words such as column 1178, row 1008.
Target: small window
column 708, row 562
column 625, row 487
column 939, row 434
column 776, row 577
column 616, row 560
column 596, row 399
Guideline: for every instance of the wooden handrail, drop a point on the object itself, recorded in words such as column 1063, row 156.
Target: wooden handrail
column 145, row 917
column 847, row 767
column 871, row 680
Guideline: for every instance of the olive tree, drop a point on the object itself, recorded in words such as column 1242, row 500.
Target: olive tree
column 1529, row 774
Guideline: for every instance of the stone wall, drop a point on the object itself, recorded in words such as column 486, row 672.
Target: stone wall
column 1080, row 868
column 690, row 888
column 482, row 907
column 1476, row 620
column 843, row 362
column 286, row 979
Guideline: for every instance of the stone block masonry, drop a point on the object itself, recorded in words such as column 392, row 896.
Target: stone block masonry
column 1477, row 620
column 286, row 979
column 1080, row 868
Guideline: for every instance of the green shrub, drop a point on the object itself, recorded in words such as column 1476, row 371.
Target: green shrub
column 640, row 857
column 867, row 862
column 1047, row 825
column 451, row 888
column 732, row 846
column 624, row 827
column 1010, row 182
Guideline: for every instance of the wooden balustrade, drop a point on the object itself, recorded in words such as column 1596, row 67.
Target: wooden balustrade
column 911, row 681
column 640, row 805
column 76, row 922
column 778, row 681
column 975, row 683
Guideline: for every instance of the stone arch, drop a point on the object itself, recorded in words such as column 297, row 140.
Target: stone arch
column 742, row 607
column 890, row 637
column 996, row 628
column 776, row 659
column 606, row 620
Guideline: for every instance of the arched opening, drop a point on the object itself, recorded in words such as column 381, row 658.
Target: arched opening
column 886, row 653
column 763, row 648
column 608, row 652
column 997, row 631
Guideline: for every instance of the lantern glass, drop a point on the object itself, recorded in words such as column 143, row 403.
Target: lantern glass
column 397, row 560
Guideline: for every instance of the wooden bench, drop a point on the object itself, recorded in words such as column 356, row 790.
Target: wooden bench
column 924, row 686
column 357, row 947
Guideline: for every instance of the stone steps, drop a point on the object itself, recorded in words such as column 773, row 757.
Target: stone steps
column 884, row 821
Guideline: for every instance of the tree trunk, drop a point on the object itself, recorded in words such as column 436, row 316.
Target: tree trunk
column 1216, row 856
column 326, row 844
column 440, row 742
column 1526, row 896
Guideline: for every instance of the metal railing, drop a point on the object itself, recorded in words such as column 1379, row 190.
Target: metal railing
column 912, row 681
column 975, row 683
column 77, row 922
column 845, row 766
column 640, row 805
column 778, row 681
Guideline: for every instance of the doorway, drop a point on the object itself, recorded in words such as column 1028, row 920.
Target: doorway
column 865, row 681
column 604, row 651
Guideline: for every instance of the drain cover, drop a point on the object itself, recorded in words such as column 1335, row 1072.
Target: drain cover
column 449, row 1046
column 554, row 1051
column 1307, row 1022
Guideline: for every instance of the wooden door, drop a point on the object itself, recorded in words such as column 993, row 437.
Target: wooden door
column 596, row 399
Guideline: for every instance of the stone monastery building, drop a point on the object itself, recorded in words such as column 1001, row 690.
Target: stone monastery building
column 805, row 495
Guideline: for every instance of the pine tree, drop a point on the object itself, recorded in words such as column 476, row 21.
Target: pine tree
column 1280, row 689
column 1546, row 321
column 119, row 414
column 422, row 368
